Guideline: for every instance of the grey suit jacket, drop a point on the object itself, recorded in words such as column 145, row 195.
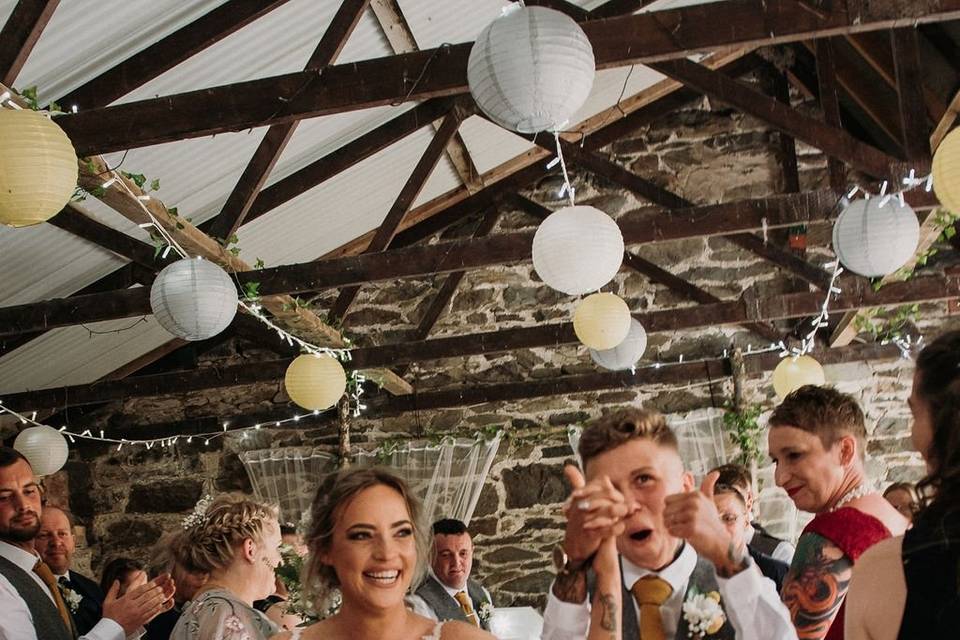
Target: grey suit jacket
column 448, row 608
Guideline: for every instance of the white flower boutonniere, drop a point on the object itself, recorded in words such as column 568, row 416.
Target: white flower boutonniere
column 71, row 598
column 703, row 614
column 485, row 612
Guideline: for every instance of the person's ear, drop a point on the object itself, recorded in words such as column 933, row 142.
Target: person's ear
column 848, row 449
column 249, row 550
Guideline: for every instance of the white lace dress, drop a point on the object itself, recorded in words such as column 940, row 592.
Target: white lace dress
column 218, row 615
column 435, row 635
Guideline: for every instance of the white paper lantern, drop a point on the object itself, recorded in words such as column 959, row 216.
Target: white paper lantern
column 793, row 373
column 531, row 69
column 44, row 447
column 315, row 382
column 875, row 240
column 601, row 321
column 193, row 299
column 577, row 250
column 624, row 355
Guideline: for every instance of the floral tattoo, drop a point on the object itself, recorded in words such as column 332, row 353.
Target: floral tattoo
column 816, row 585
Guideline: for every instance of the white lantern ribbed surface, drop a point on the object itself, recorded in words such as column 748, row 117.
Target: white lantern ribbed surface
column 44, row 447
column 624, row 355
column 531, row 70
column 577, row 250
column 601, row 321
column 315, row 382
column 38, row 168
column 193, row 299
column 875, row 240
column 946, row 171
column 795, row 372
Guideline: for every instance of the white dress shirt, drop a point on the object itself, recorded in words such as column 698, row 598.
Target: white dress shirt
column 784, row 551
column 420, row 607
column 16, row 623
column 750, row 600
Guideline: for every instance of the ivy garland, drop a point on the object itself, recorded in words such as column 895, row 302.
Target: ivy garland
column 745, row 433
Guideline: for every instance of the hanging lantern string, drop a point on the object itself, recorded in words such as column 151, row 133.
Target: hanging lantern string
column 254, row 309
column 567, row 188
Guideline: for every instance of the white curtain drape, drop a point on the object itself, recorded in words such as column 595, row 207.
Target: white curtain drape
column 288, row 477
column 447, row 477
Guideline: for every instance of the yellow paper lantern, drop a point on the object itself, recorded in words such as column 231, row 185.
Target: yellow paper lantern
column 602, row 321
column 946, row 171
column 38, row 168
column 793, row 373
column 315, row 382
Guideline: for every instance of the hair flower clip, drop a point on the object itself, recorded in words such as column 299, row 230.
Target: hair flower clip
column 199, row 513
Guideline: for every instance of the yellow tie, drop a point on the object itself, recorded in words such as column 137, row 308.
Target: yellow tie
column 650, row 592
column 42, row 570
column 464, row 601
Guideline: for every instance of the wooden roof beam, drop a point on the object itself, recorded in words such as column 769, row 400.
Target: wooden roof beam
column 20, row 34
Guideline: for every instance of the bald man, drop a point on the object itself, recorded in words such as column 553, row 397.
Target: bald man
column 56, row 545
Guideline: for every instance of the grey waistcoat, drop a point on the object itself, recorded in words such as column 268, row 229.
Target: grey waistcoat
column 445, row 606
column 46, row 618
column 702, row 580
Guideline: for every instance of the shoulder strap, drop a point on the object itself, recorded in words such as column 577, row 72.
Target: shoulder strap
column 852, row 530
column 46, row 618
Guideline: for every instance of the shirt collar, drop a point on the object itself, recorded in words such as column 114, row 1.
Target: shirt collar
column 677, row 573
column 450, row 591
column 23, row 559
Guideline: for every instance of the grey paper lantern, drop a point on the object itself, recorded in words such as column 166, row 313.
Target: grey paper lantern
column 626, row 354
column 875, row 240
column 193, row 299
column 577, row 250
column 531, row 69
column 44, row 447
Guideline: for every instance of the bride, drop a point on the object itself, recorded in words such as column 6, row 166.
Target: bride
column 364, row 541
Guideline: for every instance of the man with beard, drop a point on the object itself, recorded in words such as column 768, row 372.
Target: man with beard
column 32, row 605
column 55, row 544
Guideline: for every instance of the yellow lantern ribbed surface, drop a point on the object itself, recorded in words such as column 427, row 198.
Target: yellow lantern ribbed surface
column 793, row 373
column 315, row 382
column 601, row 321
column 38, row 168
column 946, row 171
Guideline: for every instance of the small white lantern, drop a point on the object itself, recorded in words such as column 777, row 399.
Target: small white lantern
column 795, row 372
column 624, row 355
column 193, row 299
column 531, row 69
column 875, row 240
column 315, row 382
column 601, row 321
column 44, row 447
column 577, row 250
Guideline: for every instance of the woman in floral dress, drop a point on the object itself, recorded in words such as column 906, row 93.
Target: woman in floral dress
column 236, row 541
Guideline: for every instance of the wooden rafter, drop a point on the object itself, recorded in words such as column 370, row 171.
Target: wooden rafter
column 398, row 33
column 411, row 189
column 612, row 8
column 168, row 52
column 637, row 38
column 788, row 147
column 277, row 136
column 856, row 295
column 913, row 116
column 563, row 6
column 20, row 33
column 72, row 219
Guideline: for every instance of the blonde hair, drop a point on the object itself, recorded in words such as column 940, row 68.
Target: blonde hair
column 210, row 540
column 333, row 495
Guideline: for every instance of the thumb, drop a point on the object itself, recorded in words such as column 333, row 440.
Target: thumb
column 114, row 590
column 709, row 481
column 574, row 476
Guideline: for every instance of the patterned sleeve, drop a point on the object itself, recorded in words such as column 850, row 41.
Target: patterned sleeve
column 219, row 619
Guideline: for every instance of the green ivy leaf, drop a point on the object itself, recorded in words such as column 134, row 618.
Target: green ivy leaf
column 258, row 264
column 138, row 178
column 155, row 185
column 174, row 212
column 251, row 290
column 235, row 251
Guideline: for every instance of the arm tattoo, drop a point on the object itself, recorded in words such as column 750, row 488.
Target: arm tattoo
column 608, row 615
column 571, row 587
column 737, row 560
column 816, row 585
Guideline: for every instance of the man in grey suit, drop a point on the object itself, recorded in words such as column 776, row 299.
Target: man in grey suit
column 448, row 593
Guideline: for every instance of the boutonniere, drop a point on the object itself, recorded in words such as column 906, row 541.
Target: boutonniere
column 72, row 598
column 703, row 614
column 485, row 612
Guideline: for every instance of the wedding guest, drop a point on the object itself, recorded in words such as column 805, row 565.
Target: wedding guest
column 732, row 507
column 235, row 540
column 756, row 537
column 127, row 571
column 817, row 438
column 673, row 546
column 31, row 604
column 364, row 541
column 56, row 545
column 904, row 498
column 448, row 592
column 188, row 583
column 918, row 575
column 276, row 605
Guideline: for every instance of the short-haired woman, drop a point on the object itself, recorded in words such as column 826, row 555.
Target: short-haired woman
column 236, row 541
column 817, row 439
column 365, row 540
column 904, row 498
column 909, row 588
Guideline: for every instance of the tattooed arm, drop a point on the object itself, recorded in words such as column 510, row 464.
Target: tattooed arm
column 816, row 585
column 607, row 603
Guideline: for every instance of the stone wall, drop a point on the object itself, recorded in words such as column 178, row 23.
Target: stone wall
column 127, row 498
